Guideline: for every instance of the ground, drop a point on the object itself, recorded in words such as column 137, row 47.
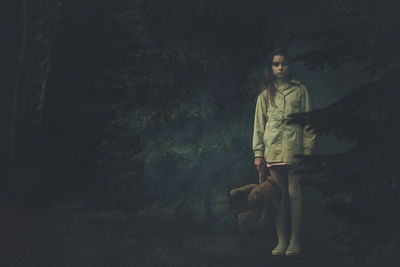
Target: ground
column 111, row 238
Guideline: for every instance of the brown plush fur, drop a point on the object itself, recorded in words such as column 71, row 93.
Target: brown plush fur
column 262, row 199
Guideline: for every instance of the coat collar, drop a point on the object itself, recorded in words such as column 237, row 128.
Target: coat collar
column 293, row 82
column 297, row 82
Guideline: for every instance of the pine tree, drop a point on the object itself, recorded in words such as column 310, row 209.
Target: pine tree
column 361, row 184
column 190, row 79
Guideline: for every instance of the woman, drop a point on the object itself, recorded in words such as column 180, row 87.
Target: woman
column 275, row 143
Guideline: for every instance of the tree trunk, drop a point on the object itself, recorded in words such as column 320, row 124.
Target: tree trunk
column 38, row 21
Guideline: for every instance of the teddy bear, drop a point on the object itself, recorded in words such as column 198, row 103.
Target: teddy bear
column 262, row 199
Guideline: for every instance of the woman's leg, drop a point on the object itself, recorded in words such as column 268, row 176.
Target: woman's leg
column 278, row 175
column 296, row 206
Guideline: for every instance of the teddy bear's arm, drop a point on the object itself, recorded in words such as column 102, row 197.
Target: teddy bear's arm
column 242, row 190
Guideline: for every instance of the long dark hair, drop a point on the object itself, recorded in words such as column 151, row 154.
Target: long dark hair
column 267, row 82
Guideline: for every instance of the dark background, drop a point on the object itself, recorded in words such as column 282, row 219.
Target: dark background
column 126, row 123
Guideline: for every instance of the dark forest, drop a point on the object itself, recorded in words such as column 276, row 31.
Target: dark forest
column 126, row 123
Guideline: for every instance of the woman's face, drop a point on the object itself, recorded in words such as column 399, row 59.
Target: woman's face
column 280, row 67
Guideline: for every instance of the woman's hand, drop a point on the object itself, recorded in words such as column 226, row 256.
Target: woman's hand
column 258, row 162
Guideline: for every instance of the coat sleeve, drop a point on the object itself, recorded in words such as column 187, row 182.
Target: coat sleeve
column 260, row 119
column 308, row 135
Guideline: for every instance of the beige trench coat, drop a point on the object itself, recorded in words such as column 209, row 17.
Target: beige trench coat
column 275, row 140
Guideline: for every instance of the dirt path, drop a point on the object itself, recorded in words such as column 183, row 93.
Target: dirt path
column 89, row 238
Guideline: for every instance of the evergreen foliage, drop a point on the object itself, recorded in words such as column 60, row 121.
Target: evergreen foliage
column 190, row 81
column 192, row 68
column 361, row 184
column 187, row 74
